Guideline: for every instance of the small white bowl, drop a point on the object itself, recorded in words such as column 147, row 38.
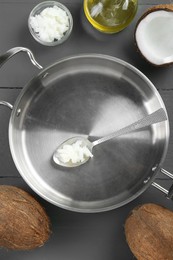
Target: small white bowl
column 37, row 10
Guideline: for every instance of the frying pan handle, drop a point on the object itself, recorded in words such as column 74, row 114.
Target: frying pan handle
column 10, row 53
column 169, row 193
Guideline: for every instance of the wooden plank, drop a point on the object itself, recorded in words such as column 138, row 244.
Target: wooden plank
column 7, row 167
column 80, row 2
column 84, row 39
column 6, row 162
column 83, row 236
column 74, row 236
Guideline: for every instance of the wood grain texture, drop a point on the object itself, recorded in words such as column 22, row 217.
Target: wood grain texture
column 84, row 39
column 75, row 236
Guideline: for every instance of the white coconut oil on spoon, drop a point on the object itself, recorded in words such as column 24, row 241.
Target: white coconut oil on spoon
column 78, row 150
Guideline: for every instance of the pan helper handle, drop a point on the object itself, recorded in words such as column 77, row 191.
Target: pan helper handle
column 10, row 53
column 168, row 193
column 7, row 104
column 7, row 55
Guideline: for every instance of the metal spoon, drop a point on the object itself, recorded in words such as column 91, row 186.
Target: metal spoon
column 153, row 118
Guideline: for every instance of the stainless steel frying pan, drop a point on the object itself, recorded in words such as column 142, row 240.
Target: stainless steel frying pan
column 89, row 95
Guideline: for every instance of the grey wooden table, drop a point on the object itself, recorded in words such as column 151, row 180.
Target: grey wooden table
column 75, row 236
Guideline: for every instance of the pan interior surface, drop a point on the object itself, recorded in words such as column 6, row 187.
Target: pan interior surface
column 91, row 96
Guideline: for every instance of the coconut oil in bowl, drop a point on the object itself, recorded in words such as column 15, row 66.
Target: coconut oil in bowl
column 110, row 16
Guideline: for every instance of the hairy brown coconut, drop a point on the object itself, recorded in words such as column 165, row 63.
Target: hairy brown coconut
column 153, row 35
column 24, row 223
column 149, row 232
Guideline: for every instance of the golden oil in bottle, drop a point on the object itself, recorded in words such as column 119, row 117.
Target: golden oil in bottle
column 110, row 16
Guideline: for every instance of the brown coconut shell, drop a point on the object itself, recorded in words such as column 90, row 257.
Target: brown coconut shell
column 149, row 232
column 164, row 7
column 24, row 223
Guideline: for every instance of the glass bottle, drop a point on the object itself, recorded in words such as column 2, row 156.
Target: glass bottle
column 110, row 16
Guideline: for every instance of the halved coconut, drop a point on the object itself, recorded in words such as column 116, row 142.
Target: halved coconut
column 154, row 35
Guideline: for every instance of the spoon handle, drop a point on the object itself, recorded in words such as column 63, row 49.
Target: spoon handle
column 153, row 118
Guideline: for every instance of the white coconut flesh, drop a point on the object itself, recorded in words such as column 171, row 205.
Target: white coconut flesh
column 154, row 37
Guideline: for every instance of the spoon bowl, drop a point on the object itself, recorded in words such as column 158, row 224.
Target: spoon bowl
column 84, row 143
